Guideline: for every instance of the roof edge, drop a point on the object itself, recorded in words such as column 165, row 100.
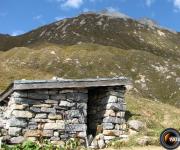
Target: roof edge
column 63, row 83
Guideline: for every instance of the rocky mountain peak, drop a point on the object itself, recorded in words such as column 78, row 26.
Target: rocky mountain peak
column 110, row 13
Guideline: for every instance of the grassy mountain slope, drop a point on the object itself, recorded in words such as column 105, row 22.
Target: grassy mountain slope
column 154, row 76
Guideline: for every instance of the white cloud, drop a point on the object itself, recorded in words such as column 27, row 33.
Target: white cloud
column 38, row 17
column 112, row 9
column 17, row 32
column 149, row 2
column 72, row 3
column 177, row 4
column 57, row 18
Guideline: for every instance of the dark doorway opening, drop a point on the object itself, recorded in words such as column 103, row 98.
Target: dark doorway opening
column 95, row 111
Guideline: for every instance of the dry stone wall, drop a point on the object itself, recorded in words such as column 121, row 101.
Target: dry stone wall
column 52, row 114
column 106, row 113
column 60, row 114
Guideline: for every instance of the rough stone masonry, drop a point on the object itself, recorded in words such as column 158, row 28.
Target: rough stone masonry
column 92, row 110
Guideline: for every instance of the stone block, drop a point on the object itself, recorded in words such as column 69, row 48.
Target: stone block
column 35, row 109
column 38, row 96
column 67, row 91
column 113, row 120
column 13, row 122
column 41, row 116
column 23, row 114
column 112, row 99
column 108, row 113
column 73, row 114
column 53, row 92
column 81, row 134
column 17, row 140
column 38, row 133
column 120, row 114
column 115, row 106
column 22, row 94
column 82, row 106
column 108, row 126
column 32, row 125
column 58, row 97
column 42, row 120
column 33, row 133
column 54, row 126
column 76, row 127
column 19, row 107
column 48, row 110
column 82, row 97
column 55, row 116
column 26, row 101
column 43, row 105
column 48, row 133
column 49, row 101
column 14, row 131
column 66, row 104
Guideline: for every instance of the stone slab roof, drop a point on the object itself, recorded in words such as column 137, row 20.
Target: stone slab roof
column 62, row 83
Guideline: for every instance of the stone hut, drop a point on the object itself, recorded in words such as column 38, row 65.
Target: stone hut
column 92, row 110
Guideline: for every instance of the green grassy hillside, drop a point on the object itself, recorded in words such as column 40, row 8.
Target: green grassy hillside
column 153, row 76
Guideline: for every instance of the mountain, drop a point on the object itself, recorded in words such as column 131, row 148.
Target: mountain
column 104, row 44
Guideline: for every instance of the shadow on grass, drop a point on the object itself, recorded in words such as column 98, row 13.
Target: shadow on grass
column 128, row 115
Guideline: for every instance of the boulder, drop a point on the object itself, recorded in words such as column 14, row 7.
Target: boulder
column 101, row 144
column 143, row 141
column 94, row 144
column 136, row 125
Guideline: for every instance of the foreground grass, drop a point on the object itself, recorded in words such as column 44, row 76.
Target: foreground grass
column 156, row 116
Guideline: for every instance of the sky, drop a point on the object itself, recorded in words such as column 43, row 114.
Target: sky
column 20, row 16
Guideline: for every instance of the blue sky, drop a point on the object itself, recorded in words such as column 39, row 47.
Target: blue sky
column 20, row 16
